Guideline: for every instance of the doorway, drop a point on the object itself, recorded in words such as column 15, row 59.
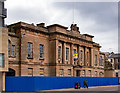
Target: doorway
column 11, row 72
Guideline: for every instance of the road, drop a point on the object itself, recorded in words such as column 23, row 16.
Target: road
column 102, row 89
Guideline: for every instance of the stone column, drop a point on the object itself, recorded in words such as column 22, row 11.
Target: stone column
column 78, row 55
column 3, row 83
column 71, row 54
column 63, row 52
column 85, row 56
column 91, row 58
column 1, row 87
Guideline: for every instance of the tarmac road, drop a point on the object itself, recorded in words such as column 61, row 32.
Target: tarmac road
column 100, row 89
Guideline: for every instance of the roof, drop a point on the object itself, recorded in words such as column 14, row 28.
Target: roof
column 88, row 35
column 58, row 25
column 114, row 55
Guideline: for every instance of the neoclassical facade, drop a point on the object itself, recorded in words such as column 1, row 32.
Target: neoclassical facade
column 49, row 51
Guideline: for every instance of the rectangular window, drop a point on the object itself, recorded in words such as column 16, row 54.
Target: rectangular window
column 13, row 50
column 87, row 57
column 96, row 73
column 100, row 60
column 42, row 71
column 83, row 72
column 61, row 72
column 2, row 60
column 89, row 72
column 118, row 60
column 111, row 60
column 69, row 71
column 95, row 59
column 8, row 48
column 67, row 54
column 81, row 55
column 74, row 50
column 59, row 52
column 41, row 51
column 30, row 50
column 30, row 71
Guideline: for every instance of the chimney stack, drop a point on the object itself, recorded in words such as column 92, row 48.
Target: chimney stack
column 41, row 25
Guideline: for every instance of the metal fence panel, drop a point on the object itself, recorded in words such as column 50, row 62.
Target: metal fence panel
column 15, row 84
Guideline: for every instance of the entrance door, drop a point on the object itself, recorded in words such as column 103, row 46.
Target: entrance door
column 77, row 73
column 11, row 72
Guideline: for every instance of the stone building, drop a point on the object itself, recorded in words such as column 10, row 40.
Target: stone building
column 3, row 47
column 114, row 59
column 3, row 12
column 48, row 51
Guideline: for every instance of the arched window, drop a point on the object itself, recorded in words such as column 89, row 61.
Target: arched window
column 101, row 74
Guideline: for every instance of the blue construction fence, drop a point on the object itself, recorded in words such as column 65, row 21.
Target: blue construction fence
column 21, row 84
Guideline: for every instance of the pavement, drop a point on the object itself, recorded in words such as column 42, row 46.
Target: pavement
column 99, row 89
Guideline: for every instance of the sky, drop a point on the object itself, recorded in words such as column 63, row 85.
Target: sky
column 99, row 19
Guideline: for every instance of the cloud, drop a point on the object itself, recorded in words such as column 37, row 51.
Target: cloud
column 98, row 19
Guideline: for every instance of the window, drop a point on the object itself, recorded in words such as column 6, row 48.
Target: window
column 87, row 57
column 41, row 51
column 111, row 60
column 9, row 43
column 101, row 61
column 61, row 72
column 30, row 71
column 89, row 72
column 83, row 72
column 101, row 74
column 2, row 60
column 41, row 71
column 118, row 66
column 69, row 71
column 116, row 74
column 81, row 55
column 95, row 59
column 30, row 52
column 13, row 50
column 74, row 51
column 118, row 60
column 67, row 54
column 59, row 52
column 96, row 73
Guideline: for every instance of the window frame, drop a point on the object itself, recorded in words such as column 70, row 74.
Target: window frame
column 67, row 54
column 13, row 51
column 59, row 52
column 87, row 57
column 31, row 74
column 31, row 50
column 42, row 71
column 69, row 71
column 41, row 52
column 95, row 60
column 81, row 56
column 61, row 72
